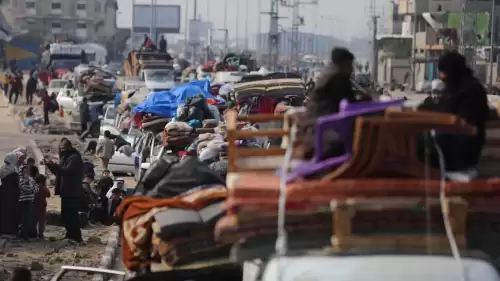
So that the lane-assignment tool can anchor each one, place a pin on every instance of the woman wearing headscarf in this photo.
(9, 193)
(464, 96)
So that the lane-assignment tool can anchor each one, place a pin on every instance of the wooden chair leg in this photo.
(343, 213)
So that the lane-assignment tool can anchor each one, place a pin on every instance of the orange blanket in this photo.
(138, 212)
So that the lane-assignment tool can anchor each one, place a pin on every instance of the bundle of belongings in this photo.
(211, 148)
(195, 110)
(178, 133)
(170, 221)
(378, 195)
(95, 82)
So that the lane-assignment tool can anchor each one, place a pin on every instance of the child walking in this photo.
(40, 205)
(27, 189)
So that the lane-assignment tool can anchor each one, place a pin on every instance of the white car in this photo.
(374, 268)
(120, 162)
(56, 85)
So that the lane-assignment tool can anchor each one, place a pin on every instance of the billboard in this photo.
(476, 27)
(165, 18)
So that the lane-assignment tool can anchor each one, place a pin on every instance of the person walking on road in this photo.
(5, 83)
(47, 102)
(105, 149)
(84, 116)
(16, 86)
(30, 89)
(69, 178)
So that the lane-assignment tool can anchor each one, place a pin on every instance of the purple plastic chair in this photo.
(340, 123)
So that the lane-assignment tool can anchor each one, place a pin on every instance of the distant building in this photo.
(85, 20)
(308, 43)
(48, 20)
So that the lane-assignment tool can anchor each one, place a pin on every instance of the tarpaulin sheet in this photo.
(165, 103)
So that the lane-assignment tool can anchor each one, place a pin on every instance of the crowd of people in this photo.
(23, 197)
(463, 95)
(25, 190)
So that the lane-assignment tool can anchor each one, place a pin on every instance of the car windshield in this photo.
(57, 84)
(160, 75)
(65, 64)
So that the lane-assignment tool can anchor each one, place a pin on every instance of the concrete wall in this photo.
(391, 68)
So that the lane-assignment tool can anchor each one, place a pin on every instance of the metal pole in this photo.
(492, 40)
(295, 33)
(226, 41)
(413, 54)
(238, 24)
(274, 36)
(186, 35)
(152, 20)
(195, 40)
(462, 29)
(246, 24)
(259, 29)
(225, 14)
(374, 51)
(132, 33)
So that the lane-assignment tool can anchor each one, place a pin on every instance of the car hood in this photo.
(151, 85)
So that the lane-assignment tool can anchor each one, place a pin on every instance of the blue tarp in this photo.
(165, 103)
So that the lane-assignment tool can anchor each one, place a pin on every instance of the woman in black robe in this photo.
(9, 194)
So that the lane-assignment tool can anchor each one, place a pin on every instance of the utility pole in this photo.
(237, 24)
(151, 28)
(246, 25)
(297, 21)
(374, 16)
(461, 48)
(273, 46)
(374, 69)
(259, 30)
(413, 69)
(186, 35)
(295, 33)
(195, 38)
(492, 41)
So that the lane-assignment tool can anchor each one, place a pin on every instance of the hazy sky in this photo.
(340, 18)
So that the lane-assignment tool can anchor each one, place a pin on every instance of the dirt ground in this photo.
(45, 257)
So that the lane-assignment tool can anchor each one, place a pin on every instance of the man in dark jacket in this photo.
(69, 178)
(16, 86)
(30, 89)
(84, 116)
(163, 44)
(333, 85)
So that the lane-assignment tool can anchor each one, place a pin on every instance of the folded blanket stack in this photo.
(174, 231)
(178, 134)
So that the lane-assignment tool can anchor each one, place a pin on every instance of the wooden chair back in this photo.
(253, 159)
